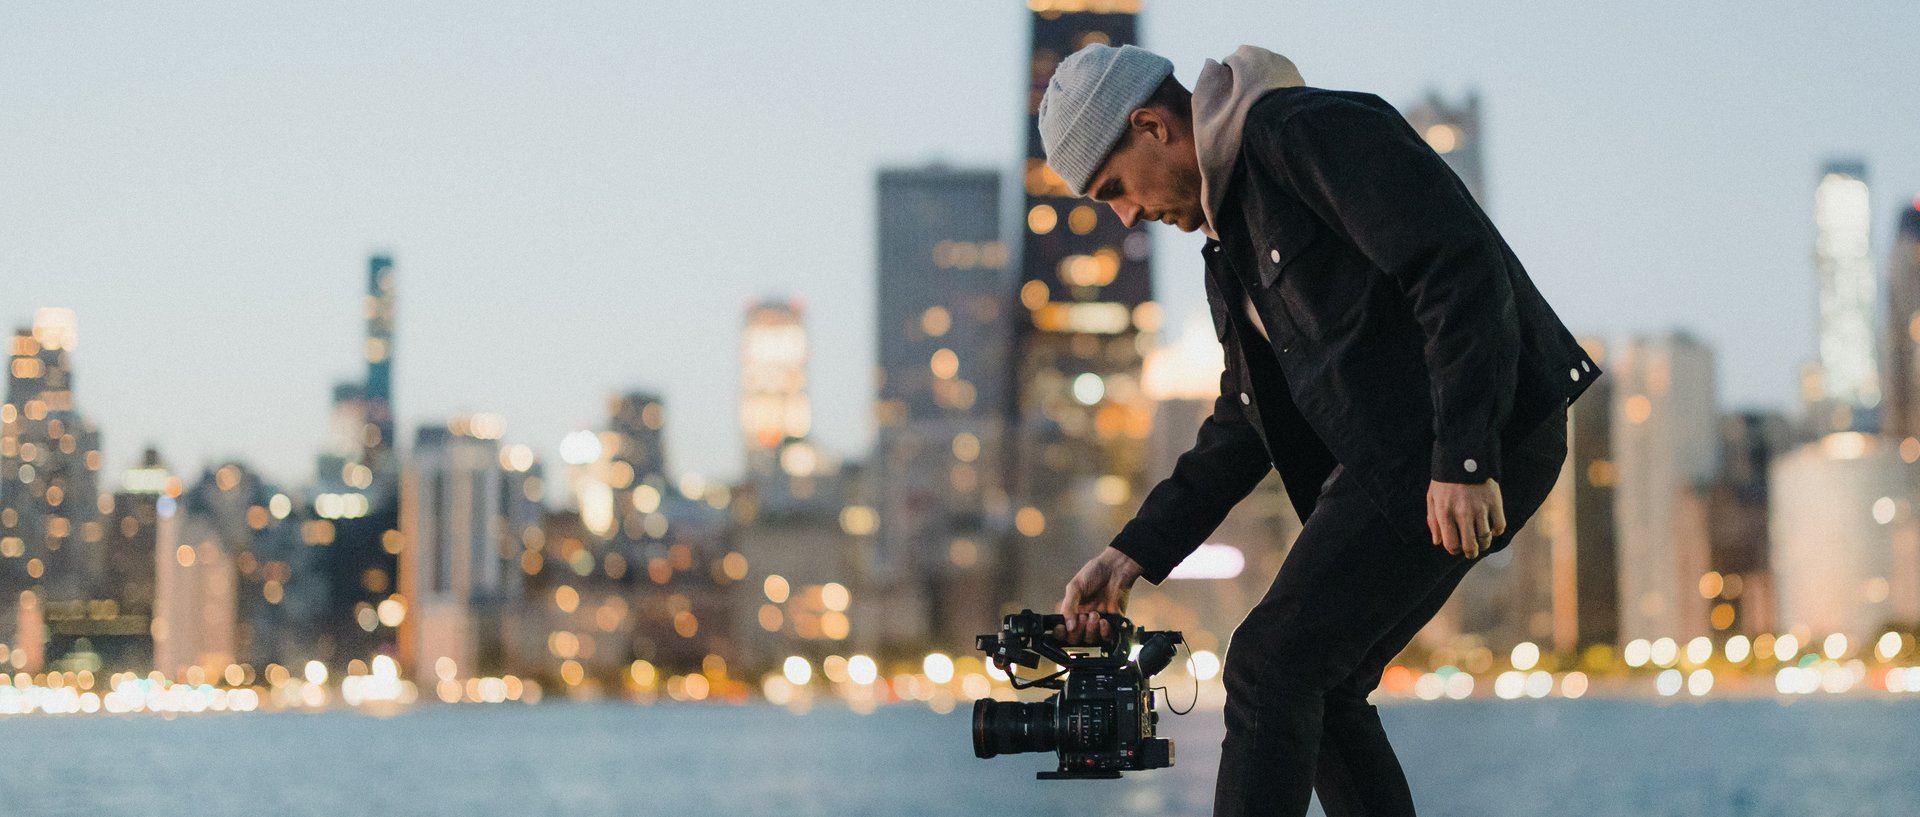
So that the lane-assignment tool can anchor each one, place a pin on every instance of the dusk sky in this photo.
(581, 198)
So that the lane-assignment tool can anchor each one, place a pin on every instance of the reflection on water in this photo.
(1480, 757)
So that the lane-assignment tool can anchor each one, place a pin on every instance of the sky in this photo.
(581, 198)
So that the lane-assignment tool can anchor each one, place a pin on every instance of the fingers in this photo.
(1467, 528)
(1081, 628)
(1084, 629)
(1499, 510)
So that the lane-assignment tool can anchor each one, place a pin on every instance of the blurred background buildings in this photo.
(1026, 399)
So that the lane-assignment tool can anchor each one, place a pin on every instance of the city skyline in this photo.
(144, 236)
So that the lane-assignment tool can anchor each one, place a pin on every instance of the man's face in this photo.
(1153, 174)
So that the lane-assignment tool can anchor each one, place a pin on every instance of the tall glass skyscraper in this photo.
(1849, 373)
(1664, 453)
(49, 464)
(358, 490)
(774, 409)
(946, 300)
(1901, 417)
(378, 437)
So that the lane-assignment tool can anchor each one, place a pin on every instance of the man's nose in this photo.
(1128, 213)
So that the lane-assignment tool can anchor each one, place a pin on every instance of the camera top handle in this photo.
(1026, 637)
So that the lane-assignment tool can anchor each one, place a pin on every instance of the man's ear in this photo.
(1151, 123)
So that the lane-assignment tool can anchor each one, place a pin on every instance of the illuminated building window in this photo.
(1042, 219)
(993, 254)
(936, 321)
(945, 364)
(1083, 219)
(966, 447)
(1030, 521)
(1723, 614)
(963, 552)
(1638, 408)
(1148, 317)
(1034, 294)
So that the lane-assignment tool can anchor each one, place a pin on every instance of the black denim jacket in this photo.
(1408, 344)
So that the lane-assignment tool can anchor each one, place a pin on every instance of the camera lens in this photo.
(1011, 727)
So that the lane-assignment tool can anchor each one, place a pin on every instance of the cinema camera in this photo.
(1101, 723)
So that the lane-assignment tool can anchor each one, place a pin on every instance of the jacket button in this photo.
(1471, 466)
(1573, 373)
(1285, 349)
(1216, 249)
(1585, 366)
(1244, 399)
(1275, 255)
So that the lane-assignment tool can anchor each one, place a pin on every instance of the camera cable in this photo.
(1191, 671)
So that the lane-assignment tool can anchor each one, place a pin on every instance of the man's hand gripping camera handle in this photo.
(1101, 586)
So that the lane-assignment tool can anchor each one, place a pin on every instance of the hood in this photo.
(1221, 97)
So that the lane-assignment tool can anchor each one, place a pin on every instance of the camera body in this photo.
(1102, 721)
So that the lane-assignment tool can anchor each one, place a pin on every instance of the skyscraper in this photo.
(774, 410)
(453, 574)
(945, 303)
(110, 630)
(358, 480)
(1664, 445)
(1849, 371)
(233, 574)
(1453, 131)
(1740, 589)
(1079, 416)
(196, 584)
(1837, 510)
(1901, 415)
(378, 396)
(49, 460)
(1586, 581)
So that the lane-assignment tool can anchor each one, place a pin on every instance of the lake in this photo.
(1808, 757)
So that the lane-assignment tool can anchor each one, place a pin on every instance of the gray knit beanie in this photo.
(1085, 109)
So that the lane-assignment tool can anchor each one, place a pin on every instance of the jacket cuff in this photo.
(1147, 547)
(1471, 463)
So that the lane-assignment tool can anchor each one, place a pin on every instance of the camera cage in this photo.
(1026, 637)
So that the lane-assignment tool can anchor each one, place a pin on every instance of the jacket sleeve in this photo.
(1225, 463)
(1373, 180)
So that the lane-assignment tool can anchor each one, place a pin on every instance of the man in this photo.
(1385, 352)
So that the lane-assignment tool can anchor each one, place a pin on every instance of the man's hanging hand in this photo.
(1464, 517)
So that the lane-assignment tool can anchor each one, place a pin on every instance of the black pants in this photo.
(1349, 597)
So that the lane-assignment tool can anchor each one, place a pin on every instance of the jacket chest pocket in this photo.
(1299, 269)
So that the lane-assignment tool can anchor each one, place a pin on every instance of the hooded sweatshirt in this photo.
(1221, 97)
